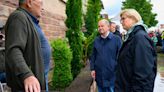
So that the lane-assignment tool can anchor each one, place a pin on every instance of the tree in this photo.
(144, 7)
(74, 34)
(91, 18)
(91, 21)
(62, 56)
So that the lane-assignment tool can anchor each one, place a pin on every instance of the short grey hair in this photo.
(105, 21)
(132, 13)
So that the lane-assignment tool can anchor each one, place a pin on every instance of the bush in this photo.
(74, 35)
(75, 42)
(91, 23)
(88, 46)
(62, 56)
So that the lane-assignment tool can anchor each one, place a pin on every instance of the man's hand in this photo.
(31, 84)
(93, 74)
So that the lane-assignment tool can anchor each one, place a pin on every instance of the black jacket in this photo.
(118, 33)
(136, 68)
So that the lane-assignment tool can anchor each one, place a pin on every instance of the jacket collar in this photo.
(140, 23)
(110, 35)
(34, 19)
(135, 30)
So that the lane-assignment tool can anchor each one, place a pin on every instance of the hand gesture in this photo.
(31, 84)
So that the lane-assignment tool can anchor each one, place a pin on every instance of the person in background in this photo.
(162, 37)
(123, 35)
(104, 57)
(137, 68)
(153, 36)
(2, 55)
(158, 34)
(27, 49)
(115, 29)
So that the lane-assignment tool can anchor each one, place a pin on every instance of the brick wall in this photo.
(52, 23)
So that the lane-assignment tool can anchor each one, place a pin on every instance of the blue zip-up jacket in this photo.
(104, 59)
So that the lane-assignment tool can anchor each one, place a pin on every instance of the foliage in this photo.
(74, 34)
(162, 36)
(91, 21)
(91, 18)
(62, 56)
(144, 7)
(88, 42)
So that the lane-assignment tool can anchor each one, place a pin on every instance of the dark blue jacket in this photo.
(104, 59)
(136, 69)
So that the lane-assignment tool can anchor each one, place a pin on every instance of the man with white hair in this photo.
(27, 49)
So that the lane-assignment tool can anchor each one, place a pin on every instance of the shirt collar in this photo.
(109, 35)
(34, 19)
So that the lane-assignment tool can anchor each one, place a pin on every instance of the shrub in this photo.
(88, 46)
(91, 24)
(74, 35)
(62, 56)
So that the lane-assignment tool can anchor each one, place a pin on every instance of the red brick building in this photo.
(52, 21)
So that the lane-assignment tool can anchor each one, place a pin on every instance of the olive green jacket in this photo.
(23, 50)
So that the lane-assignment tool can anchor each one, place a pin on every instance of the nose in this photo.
(99, 28)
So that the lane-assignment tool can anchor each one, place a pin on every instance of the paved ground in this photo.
(159, 83)
(82, 82)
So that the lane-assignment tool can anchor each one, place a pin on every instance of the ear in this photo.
(29, 3)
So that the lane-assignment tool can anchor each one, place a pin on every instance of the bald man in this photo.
(104, 57)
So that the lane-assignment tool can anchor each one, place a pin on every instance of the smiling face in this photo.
(103, 27)
(113, 27)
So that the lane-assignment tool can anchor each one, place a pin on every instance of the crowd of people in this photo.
(127, 65)
(158, 37)
(119, 62)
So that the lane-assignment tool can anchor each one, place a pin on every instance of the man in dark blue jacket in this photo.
(104, 57)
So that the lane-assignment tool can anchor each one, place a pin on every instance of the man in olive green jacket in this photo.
(24, 62)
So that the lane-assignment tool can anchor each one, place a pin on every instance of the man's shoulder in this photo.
(116, 37)
(17, 14)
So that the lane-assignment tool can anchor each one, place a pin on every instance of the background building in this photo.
(52, 21)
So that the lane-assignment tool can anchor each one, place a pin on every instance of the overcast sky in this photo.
(113, 8)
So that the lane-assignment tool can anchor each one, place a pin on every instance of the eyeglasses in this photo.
(123, 18)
